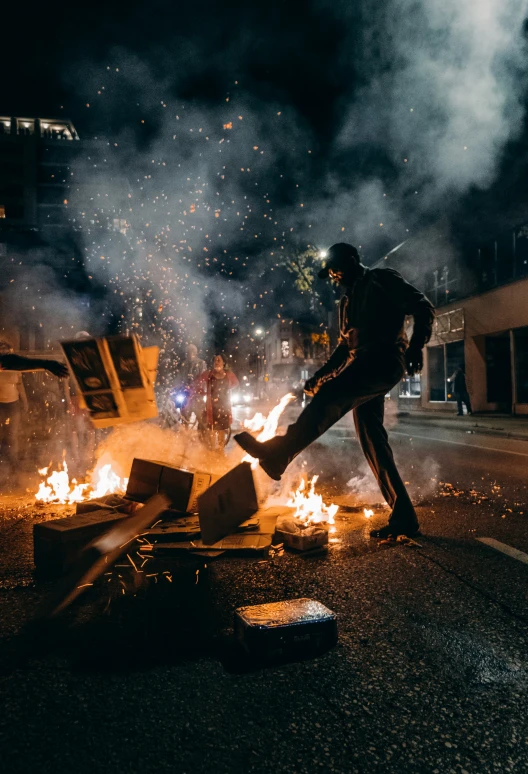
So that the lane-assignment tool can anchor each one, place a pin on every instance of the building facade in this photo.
(482, 326)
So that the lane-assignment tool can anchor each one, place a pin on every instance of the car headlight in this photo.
(235, 397)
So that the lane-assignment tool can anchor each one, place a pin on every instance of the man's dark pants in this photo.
(361, 388)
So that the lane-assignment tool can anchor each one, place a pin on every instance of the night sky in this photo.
(248, 131)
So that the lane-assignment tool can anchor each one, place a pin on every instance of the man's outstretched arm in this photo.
(19, 363)
(337, 361)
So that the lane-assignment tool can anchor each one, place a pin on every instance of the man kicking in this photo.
(371, 357)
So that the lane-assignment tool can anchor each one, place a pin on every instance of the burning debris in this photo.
(307, 528)
(57, 488)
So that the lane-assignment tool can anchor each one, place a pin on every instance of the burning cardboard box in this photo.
(115, 378)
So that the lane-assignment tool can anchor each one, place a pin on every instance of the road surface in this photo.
(430, 673)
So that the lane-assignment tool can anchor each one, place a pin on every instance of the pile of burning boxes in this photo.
(171, 511)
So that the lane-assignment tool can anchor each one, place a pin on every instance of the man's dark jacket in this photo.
(372, 319)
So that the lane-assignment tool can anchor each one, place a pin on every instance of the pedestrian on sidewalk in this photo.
(460, 389)
(370, 358)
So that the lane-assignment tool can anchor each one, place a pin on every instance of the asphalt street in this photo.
(430, 673)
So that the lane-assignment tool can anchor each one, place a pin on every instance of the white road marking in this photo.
(459, 443)
(505, 549)
(346, 433)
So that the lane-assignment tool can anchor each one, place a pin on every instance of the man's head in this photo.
(192, 352)
(342, 264)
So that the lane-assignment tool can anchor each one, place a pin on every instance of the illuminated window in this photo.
(2, 211)
(285, 348)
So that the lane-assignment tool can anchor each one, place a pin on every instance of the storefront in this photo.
(486, 335)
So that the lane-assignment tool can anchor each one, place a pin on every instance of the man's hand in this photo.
(414, 360)
(311, 386)
(57, 369)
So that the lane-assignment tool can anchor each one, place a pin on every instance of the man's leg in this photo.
(460, 410)
(368, 419)
(365, 378)
(467, 401)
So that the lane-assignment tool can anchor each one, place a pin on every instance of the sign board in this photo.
(115, 378)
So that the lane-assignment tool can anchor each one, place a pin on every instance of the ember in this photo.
(368, 513)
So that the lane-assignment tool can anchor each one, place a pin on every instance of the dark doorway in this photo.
(437, 374)
(521, 363)
(498, 371)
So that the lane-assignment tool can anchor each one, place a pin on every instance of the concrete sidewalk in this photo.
(487, 424)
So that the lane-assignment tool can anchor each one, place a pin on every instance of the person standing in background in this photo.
(461, 391)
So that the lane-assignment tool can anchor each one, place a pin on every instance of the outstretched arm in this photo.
(337, 361)
(19, 363)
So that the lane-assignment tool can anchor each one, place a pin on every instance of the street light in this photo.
(258, 331)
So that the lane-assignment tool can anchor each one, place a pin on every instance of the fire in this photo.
(309, 506)
(267, 425)
(368, 513)
(59, 489)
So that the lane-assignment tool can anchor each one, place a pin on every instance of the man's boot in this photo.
(272, 455)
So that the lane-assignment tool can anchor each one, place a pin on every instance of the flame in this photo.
(309, 507)
(267, 425)
(59, 489)
(107, 482)
(368, 513)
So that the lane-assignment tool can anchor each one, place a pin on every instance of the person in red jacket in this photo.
(216, 386)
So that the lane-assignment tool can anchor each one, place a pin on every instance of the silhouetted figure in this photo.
(369, 360)
(460, 389)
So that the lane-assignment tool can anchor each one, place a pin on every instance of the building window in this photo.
(2, 210)
(521, 364)
(454, 358)
(285, 349)
(410, 387)
(442, 362)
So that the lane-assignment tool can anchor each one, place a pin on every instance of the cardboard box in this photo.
(183, 487)
(56, 543)
(227, 503)
(115, 378)
(296, 628)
